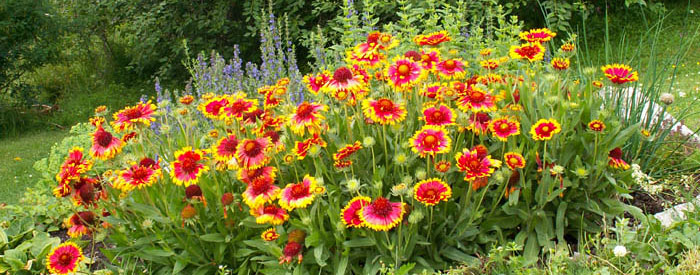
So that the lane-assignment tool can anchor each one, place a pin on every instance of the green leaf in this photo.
(459, 256)
(318, 255)
(405, 268)
(342, 265)
(561, 211)
(213, 237)
(359, 242)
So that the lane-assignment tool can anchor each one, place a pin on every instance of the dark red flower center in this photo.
(528, 51)
(193, 191)
(147, 162)
(437, 116)
(189, 165)
(382, 207)
(403, 69)
(103, 138)
(140, 174)
(87, 193)
(260, 186)
(292, 249)
(273, 135)
(477, 96)
(450, 64)
(133, 113)
(413, 55)
(616, 153)
(430, 140)
(270, 209)
(229, 145)
(252, 148)
(430, 193)
(342, 74)
(474, 164)
(238, 106)
(65, 259)
(304, 110)
(299, 191)
(385, 105)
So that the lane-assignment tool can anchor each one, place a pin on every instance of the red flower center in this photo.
(260, 186)
(270, 210)
(189, 165)
(140, 174)
(477, 96)
(403, 69)
(616, 153)
(425, 57)
(104, 138)
(474, 164)
(504, 126)
(238, 106)
(304, 110)
(382, 207)
(133, 113)
(319, 81)
(437, 116)
(450, 64)
(65, 259)
(430, 193)
(229, 145)
(342, 74)
(385, 105)
(292, 249)
(430, 140)
(273, 135)
(252, 148)
(299, 191)
(147, 162)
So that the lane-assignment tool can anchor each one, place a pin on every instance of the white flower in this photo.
(620, 251)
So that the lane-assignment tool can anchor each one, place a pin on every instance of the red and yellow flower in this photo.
(440, 115)
(479, 123)
(188, 166)
(314, 82)
(302, 148)
(383, 111)
(475, 99)
(432, 39)
(560, 64)
(298, 195)
(346, 86)
(475, 165)
(249, 175)
(238, 105)
(138, 176)
(530, 51)
(568, 47)
(260, 191)
(269, 214)
(514, 160)
(537, 35)
(620, 73)
(214, 108)
(224, 150)
(430, 140)
(544, 129)
(451, 68)
(431, 191)
(442, 166)
(596, 125)
(490, 64)
(307, 116)
(428, 59)
(502, 128)
(252, 153)
(104, 145)
(351, 212)
(382, 214)
(404, 73)
(64, 259)
(270, 235)
(615, 159)
(347, 150)
(81, 223)
(127, 118)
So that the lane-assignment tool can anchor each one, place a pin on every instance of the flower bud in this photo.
(193, 191)
(227, 198)
(188, 212)
(666, 98)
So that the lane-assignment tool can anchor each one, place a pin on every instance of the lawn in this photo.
(19, 155)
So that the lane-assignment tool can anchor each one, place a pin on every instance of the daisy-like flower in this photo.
(615, 159)
(485, 52)
(451, 68)
(537, 35)
(252, 153)
(260, 191)
(224, 150)
(302, 148)
(475, 99)
(269, 214)
(291, 251)
(383, 111)
(87, 192)
(345, 85)
(298, 195)
(76, 159)
(340, 164)
(479, 123)
(314, 82)
(490, 78)
(544, 129)
(363, 54)
(435, 90)
(489, 64)
(347, 150)
(127, 118)
(270, 235)
(382, 214)
(404, 73)
(428, 59)
(104, 145)
(64, 259)
(442, 166)
(432, 39)
(502, 128)
(307, 116)
(438, 115)
(138, 176)
(431, 191)
(186, 99)
(596, 125)
(351, 211)
(560, 64)
(620, 73)
(81, 223)
(530, 51)
(514, 160)
(475, 165)
(214, 107)
(430, 140)
(568, 47)
(188, 166)
(248, 175)
(238, 105)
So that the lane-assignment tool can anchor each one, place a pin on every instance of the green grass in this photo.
(18, 174)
